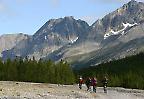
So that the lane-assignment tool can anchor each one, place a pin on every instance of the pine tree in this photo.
(1, 70)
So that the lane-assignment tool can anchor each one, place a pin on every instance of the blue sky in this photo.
(27, 16)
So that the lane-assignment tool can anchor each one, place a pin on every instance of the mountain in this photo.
(8, 41)
(116, 35)
(128, 15)
(120, 34)
(53, 35)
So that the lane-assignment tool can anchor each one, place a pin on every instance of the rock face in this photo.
(53, 35)
(118, 34)
(129, 14)
(8, 41)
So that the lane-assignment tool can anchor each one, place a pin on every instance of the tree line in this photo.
(127, 72)
(36, 71)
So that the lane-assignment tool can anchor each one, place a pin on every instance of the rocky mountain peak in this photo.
(129, 14)
(63, 27)
(133, 5)
(132, 2)
(69, 18)
(53, 35)
(53, 22)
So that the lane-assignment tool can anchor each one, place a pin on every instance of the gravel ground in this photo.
(24, 90)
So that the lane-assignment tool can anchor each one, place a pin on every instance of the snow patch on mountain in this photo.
(129, 25)
(45, 37)
(112, 32)
(74, 40)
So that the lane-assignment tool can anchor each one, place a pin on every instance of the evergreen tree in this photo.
(42, 71)
(1, 70)
(127, 72)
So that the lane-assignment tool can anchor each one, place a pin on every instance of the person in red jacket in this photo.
(94, 83)
(80, 82)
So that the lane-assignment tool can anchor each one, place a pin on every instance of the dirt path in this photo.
(121, 93)
(22, 90)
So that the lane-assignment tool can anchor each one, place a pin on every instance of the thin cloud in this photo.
(112, 1)
(5, 10)
(108, 1)
(22, 1)
(54, 3)
(3, 7)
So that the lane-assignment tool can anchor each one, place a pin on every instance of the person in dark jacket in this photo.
(105, 82)
(88, 84)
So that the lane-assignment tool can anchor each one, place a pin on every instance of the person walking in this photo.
(94, 83)
(105, 82)
(88, 84)
(80, 82)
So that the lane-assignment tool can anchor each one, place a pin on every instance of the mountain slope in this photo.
(125, 45)
(50, 37)
(8, 41)
(130, 13)
(114, 34)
